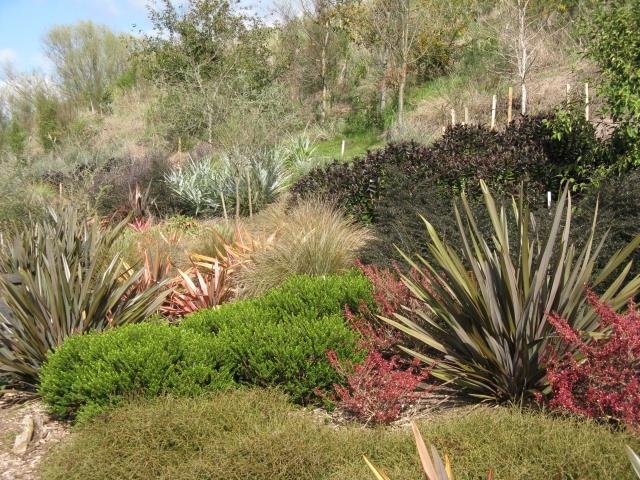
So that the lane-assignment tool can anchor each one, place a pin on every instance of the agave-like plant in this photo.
(484, 315)
(196, 185)
(432, 465)
(69, 284)
(205, 285)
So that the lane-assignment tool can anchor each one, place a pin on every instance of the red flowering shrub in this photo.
(598, 378)
(378, 390)
(389, 292)
(381, 387)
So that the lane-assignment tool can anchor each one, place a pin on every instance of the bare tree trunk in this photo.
(383, 83)
(401, 87)
(210, 127)
(523, 52)
(323, 72)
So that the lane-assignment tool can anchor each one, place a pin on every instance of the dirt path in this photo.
(46, 433)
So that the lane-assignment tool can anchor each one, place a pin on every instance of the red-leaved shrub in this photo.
(381, 387)
(378, 390)
(599, 377)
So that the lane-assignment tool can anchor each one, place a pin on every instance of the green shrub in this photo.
(612, 33)
(256, 434)
(91, 372)
(486, 316)
(298, 295)
(281, 338)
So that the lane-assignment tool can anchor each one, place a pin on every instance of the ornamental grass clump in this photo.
(313, 238)
(484, 316)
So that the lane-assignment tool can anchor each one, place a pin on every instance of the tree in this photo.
(87, 58)
(407, 29)
(202, 56)
(613, 41)
(323, 46)
(48, 124)
(522, 34)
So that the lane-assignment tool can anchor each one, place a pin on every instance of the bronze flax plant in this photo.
(486, 328)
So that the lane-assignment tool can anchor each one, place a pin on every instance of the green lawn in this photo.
(356, 145)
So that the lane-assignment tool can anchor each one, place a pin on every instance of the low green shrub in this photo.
(300, 295)
(92, 372)
(281, 338)
(256, 434)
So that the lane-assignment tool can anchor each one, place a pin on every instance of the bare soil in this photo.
(47, 433)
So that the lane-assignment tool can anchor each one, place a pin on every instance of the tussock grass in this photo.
(256, 434)
(313, 238)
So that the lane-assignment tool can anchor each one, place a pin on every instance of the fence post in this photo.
(586, 101)
(524, 100)
(453, 117)
(568, 93)
(342, 148)
(494, 102)
(466, 115)
(510, 105)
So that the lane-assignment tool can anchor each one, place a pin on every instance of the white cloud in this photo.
(8, 55)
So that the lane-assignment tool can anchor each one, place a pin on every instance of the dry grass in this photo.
(312, 237)
(256, 434)
(474, 85)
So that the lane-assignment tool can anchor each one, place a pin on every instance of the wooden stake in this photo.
(224, 207)
(237, 198)
(466, 116)
(586, 101)
(524, 99)
(60, 190)
(510, 105)
(568, 93)
(249, 194)
(494, 103)
(453, 116)
(344, 144)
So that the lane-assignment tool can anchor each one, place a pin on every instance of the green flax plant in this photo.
(483, 319)
(69, 283)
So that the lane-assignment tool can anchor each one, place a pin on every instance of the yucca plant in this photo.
(484, 315)
(70, 285)
(432, 465)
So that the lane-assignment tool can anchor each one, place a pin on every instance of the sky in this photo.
(23, 24)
